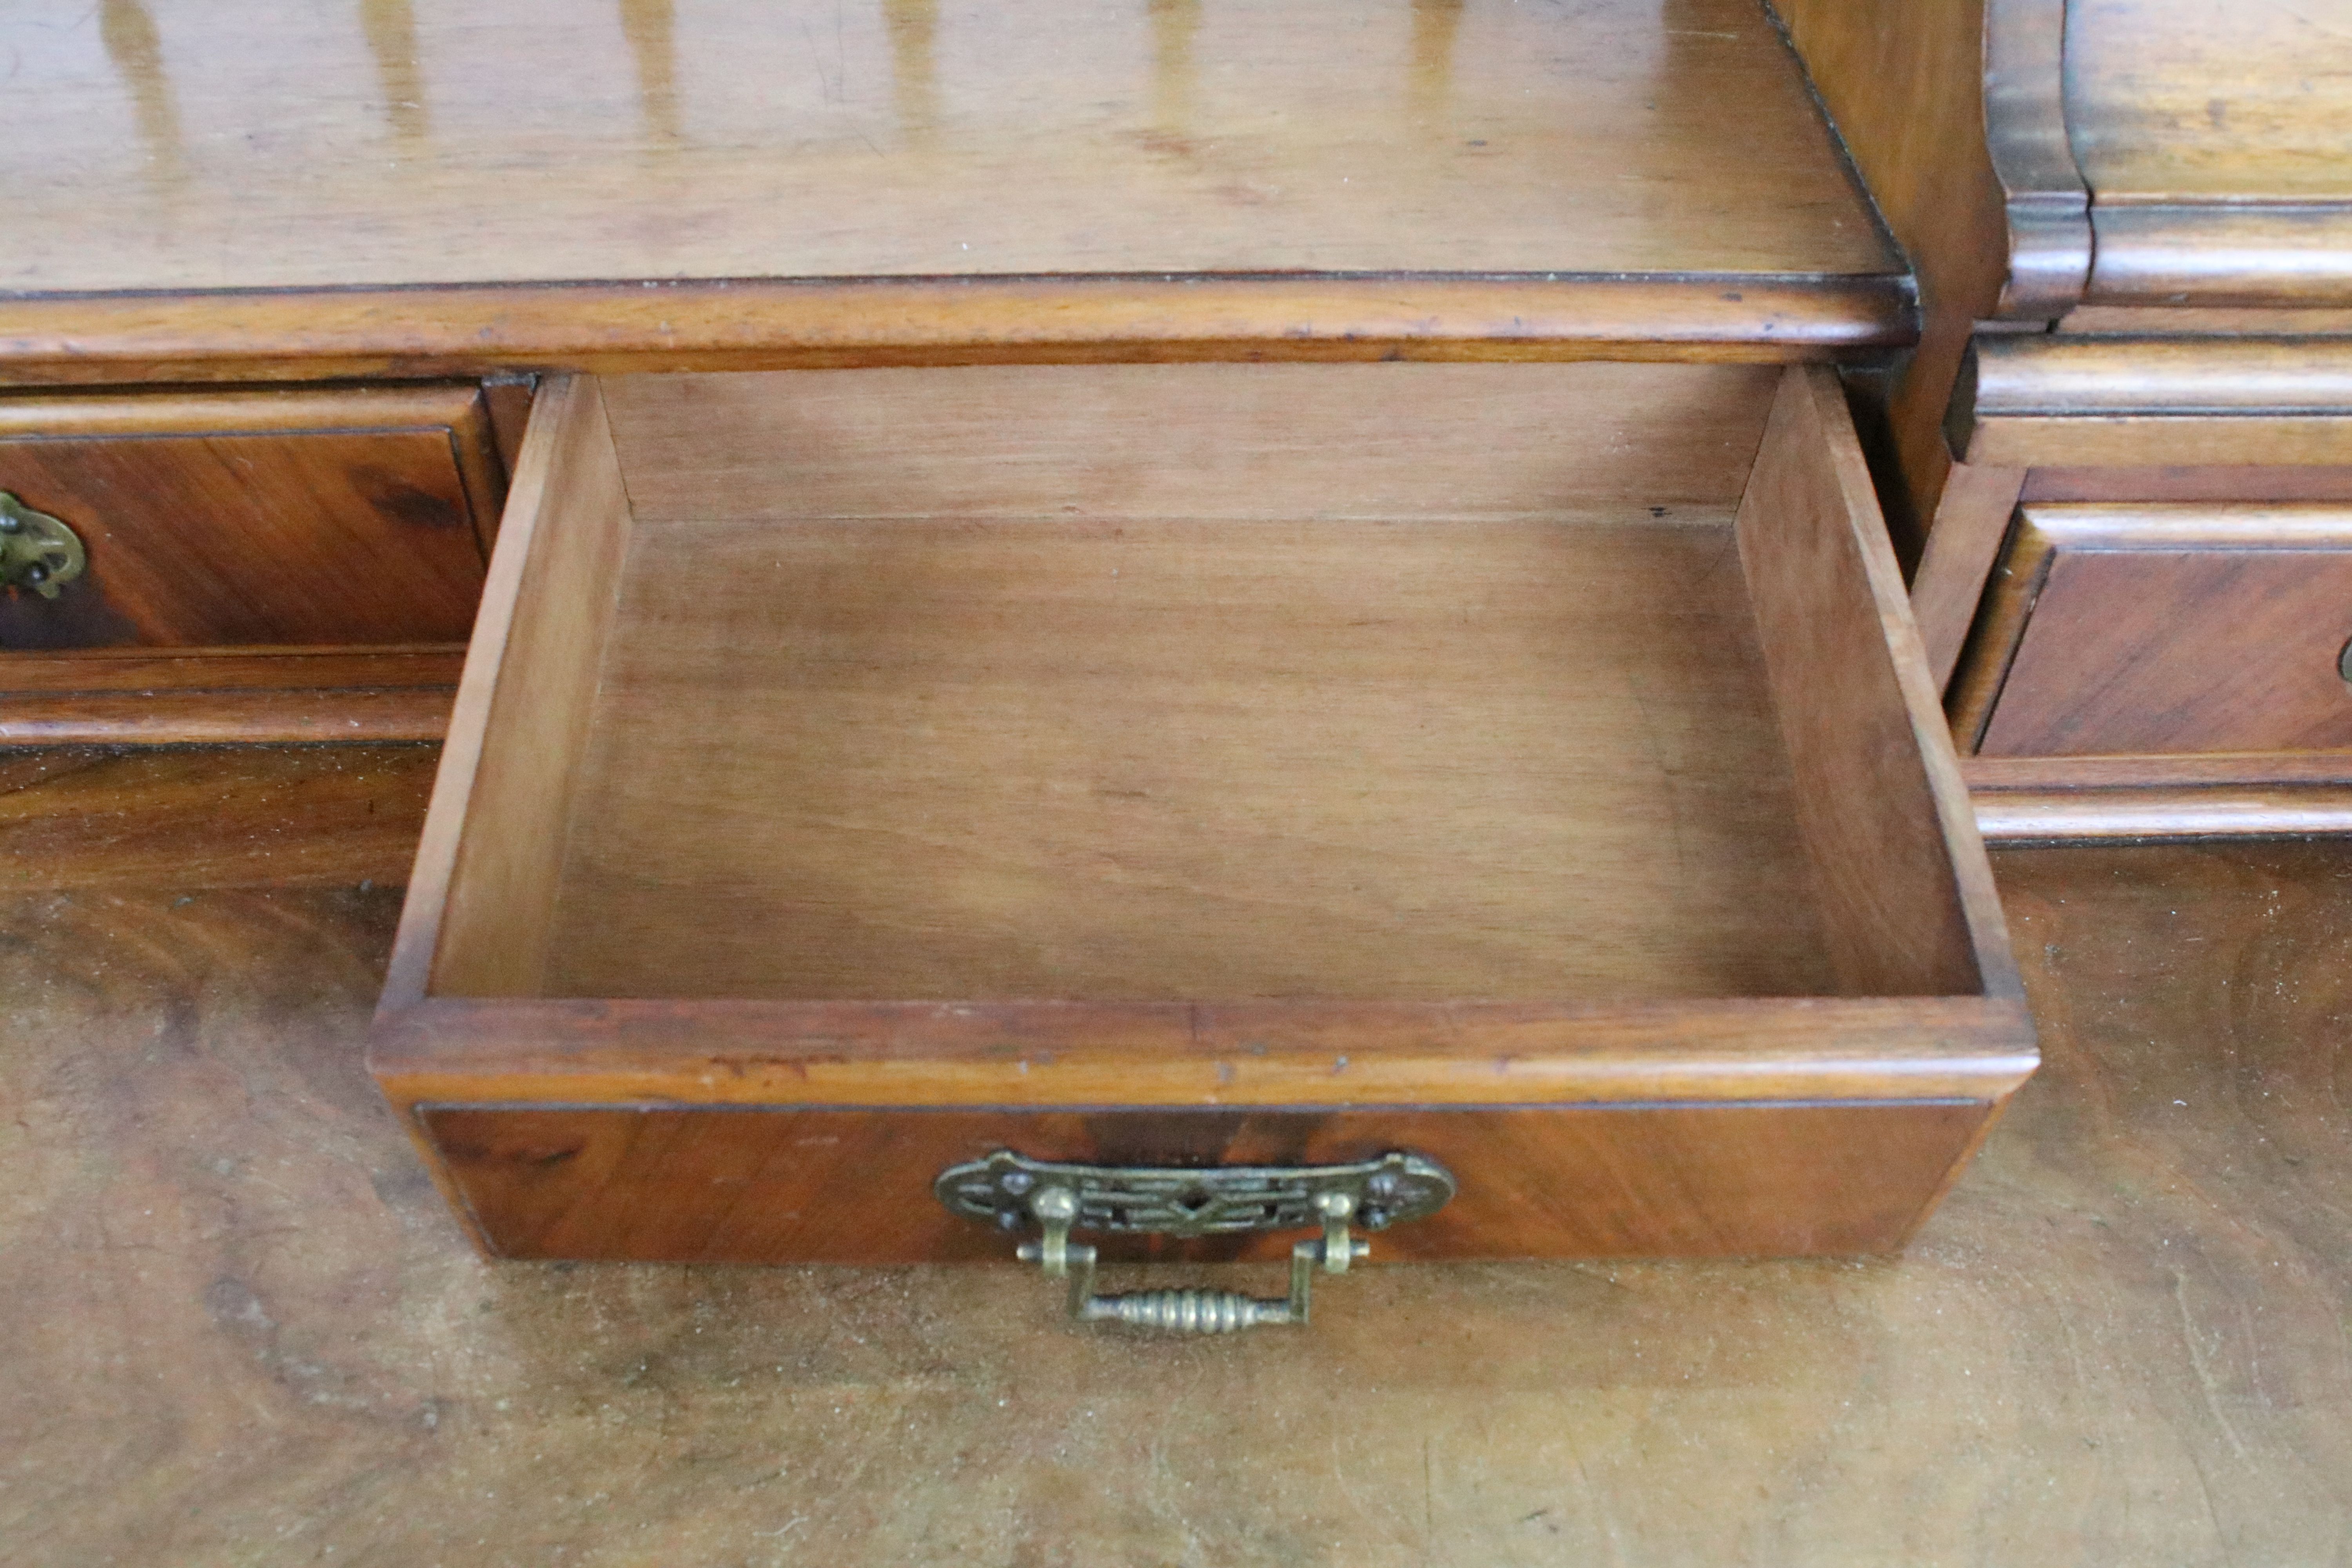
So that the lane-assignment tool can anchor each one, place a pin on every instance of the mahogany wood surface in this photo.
(252, 1332)
(351, 516)
(874, 755)
(1903, 81)
(260, 816)
(1341, 170)
(2100, 401)
(1972, 521)
(2168, 629)
(853, 1186)
(2214, 137)
(487, 896)
(212, 696)
(1906, 901)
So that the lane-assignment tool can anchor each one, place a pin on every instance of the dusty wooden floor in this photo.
(241, 1330)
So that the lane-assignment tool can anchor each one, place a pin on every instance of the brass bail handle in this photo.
(1011, 1192)
(1190, 1311)
(37, 550)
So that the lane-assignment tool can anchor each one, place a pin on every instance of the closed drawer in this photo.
(340, 517)
(2166, 629)
(2161, 670)
(1531, 767)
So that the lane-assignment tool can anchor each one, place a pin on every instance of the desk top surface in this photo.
(185, 145)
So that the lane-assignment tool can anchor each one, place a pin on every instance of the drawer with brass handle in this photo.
(291, 530)
(1527, 772)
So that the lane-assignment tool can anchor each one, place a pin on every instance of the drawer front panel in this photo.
(2173, 651)
(854, 1186)
(2162, 630)
(255, 519)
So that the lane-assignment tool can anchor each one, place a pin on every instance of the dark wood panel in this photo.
(250, 1330)
(782, 1186)
(201, 541)
(288, 516)
(212, 816)
(2187, 650)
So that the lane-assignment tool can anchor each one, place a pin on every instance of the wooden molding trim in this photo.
(141, 697)
(2163, 811)
(2037, 400)
(2048, 203)
(2217, 253)
(772, 325)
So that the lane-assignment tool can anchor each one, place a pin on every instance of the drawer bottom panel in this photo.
(854, 1186)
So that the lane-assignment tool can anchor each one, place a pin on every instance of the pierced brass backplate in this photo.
(1011, 1192)
(37, 550)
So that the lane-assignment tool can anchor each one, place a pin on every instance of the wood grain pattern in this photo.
(2086, 401)
(1092, 683)
(281, 515)
(1904, 83)
(910, 779)
(261, 816)
(254, 1333)
(828, 142)
(521, 710)
(2174, 629)
(751, 325)
(764, 1186)
(2215, 140)
(1908, 906)
(2047, 204)
(1192, 1054)
(1971, 520)
(1260, 442)
(216, 696)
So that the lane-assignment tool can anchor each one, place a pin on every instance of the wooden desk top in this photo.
(1436, 169)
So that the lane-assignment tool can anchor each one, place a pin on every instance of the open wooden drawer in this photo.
(1528, 767)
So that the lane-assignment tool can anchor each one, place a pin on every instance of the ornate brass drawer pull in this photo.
(37, 550)
(1010, 1191)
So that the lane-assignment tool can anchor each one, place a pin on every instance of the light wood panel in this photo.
(1287, 443)
(1306, 681)
(1142, 758)
(753, 325)
(1907, 899)
(835, 1186)
(520, 711)
(1972, 519)
(525, 144)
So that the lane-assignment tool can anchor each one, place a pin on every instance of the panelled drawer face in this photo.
(1468, 760)
(346, 517)
(2165, 630)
